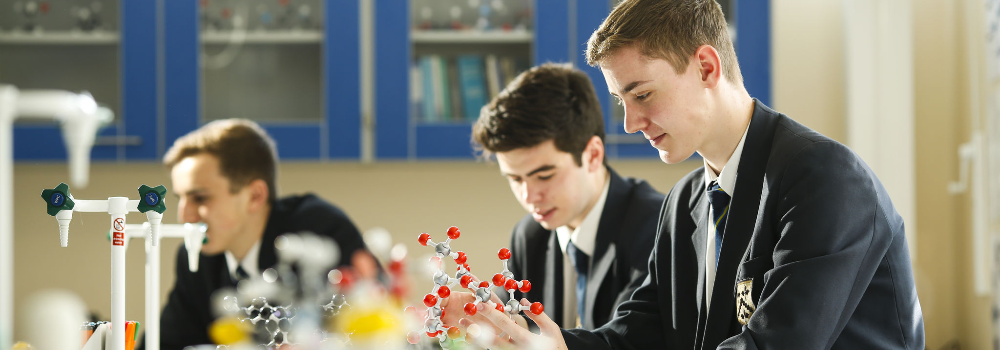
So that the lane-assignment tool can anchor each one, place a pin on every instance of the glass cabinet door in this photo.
(262, 60)
(456, 55)
(290, 65)
(77, 46)
(69, 45)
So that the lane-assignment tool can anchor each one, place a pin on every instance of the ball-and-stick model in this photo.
(443, 284)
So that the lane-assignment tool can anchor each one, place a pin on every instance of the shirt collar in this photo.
(249, 262)
(727, 178)
(585, 235)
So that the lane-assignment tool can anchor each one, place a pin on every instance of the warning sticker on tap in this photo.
(118, 238)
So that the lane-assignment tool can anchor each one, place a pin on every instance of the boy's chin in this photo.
(672, 158)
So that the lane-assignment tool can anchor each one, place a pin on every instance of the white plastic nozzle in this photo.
(192, 242)
(64, 217)
(79, 134)
(81, 118)
(154, 219)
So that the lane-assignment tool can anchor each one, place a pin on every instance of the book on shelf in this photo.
(416, 91)
(430, 105)
(470, 71)
(454, 89)
(493, 76)
(442, 90)
(435, 91)
(457, 114)
(508, 69)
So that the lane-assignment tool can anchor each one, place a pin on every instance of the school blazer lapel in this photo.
(554, 282)
(740, 224)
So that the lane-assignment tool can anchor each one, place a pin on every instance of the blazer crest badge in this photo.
(744, 301)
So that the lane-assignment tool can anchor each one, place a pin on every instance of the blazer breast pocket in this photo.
(749, 283)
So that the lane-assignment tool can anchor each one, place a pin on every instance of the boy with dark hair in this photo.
(585, 241)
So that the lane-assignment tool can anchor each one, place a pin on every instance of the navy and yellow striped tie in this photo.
(581, 263)
(720, 210)
(241, 275)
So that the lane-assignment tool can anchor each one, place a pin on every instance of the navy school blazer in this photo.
(814, 256)
(622, 246)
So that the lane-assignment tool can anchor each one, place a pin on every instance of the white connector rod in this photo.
(153, 219)
(64, 217)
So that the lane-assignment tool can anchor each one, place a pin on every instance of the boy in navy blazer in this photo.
(225, 175)
(588, 233)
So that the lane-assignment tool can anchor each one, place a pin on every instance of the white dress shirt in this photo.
(249, 262)
(584, 237)
(727, 181)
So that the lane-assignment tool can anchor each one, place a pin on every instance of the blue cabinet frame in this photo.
(337, 136)
(397, 139)
(137, 58)
(392, 79)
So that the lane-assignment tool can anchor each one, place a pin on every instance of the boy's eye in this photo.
(642, 97)
(546, 177)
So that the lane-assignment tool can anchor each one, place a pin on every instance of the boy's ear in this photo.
(259, 194)
(593, 155)
(709, 65)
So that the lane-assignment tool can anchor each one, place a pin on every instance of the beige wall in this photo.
(809, 72)
(807, 64)
(936, 95)
(409, 198)
(953, 313)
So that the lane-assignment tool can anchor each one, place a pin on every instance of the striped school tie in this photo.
(720, 210)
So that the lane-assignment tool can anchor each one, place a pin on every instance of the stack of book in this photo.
(454, 89)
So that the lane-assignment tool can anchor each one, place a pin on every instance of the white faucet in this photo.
(194, 236)
(80, 118)
(59, 201)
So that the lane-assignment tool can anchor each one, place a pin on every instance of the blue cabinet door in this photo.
(133, 134)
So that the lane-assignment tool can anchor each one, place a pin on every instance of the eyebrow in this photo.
(191, 192)
(537, 170)
(632, 86)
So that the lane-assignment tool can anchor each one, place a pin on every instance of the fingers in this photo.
(478, 318)
(454, 307)
(364, 264)
(506, 325)
(545, 324)
(484, 334)
(479, 335)
(521, 321)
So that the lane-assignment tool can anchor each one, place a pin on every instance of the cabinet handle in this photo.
(118, 141)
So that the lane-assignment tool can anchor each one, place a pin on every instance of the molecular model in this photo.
(270, 324)
(443, 284)
(302, 303)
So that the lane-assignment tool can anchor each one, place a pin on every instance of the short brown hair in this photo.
(549, 102)
(671, 30)
(244, 150)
